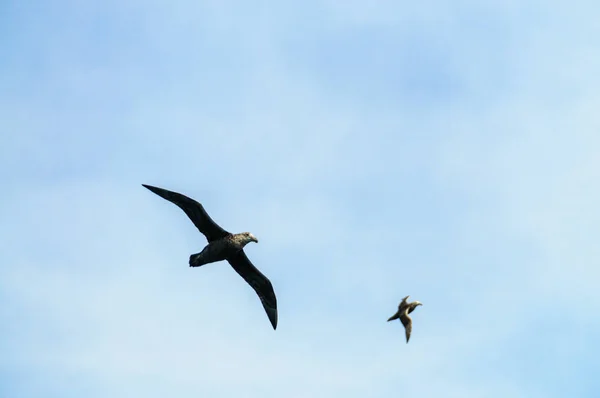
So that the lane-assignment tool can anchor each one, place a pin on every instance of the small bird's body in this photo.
(405, 308)
(223, 245)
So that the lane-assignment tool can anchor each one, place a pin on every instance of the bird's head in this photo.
(248, 237)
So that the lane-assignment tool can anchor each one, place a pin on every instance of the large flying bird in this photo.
(223, 245)
(405, 308)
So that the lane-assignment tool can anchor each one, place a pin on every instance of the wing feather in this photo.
(194, 210)
(260, 283)
(407, 322)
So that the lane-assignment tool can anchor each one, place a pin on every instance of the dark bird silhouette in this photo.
(405, 308)
(223, 245)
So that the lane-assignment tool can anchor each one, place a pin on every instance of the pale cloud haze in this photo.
(447, 151)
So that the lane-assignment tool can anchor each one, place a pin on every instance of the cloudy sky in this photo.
(445, 150)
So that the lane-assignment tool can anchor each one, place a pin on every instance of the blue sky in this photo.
(445, 150)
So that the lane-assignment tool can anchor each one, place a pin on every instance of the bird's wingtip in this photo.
(273, 320)
(153, 189)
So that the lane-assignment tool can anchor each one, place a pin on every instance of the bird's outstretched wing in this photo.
(407, 322)
(260, 283)
(194, 210)
(402, 303)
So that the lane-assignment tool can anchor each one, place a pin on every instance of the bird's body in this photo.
(405, 308)
(223, 245)
(219, 250)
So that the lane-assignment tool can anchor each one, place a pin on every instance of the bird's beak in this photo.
(254, 239)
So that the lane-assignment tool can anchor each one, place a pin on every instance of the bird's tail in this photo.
(395, 316)
(197, 260)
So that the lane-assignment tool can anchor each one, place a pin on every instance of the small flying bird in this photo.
(405, 308)
(223, 245)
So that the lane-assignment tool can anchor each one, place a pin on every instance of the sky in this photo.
(449, 151)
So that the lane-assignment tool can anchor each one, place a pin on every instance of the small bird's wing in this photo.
(401, 306)
(403, 302)
(260, 283)
(407, 322)
(194, 210)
